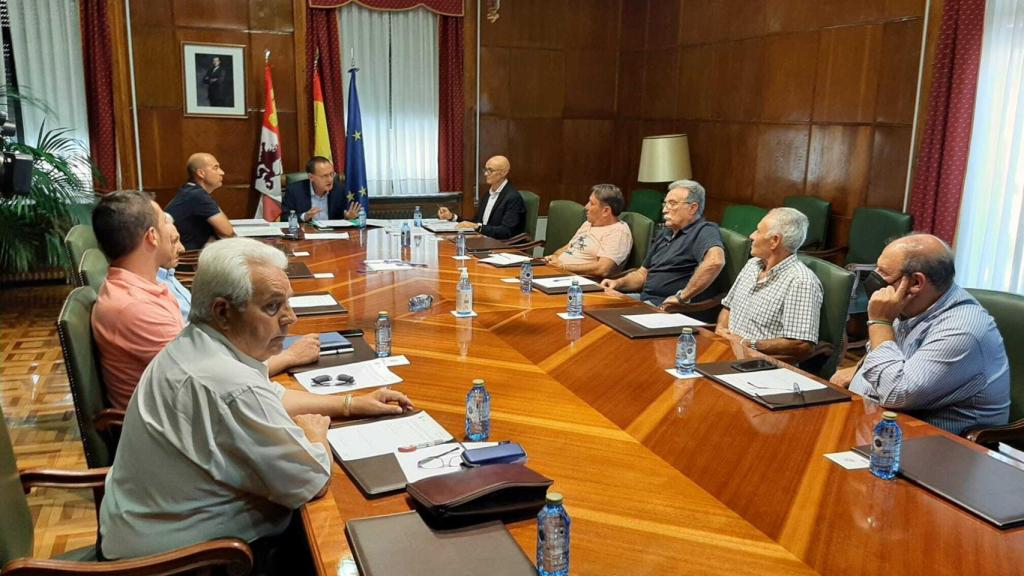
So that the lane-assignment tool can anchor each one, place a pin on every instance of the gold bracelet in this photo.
(882, 322)
(348, 405)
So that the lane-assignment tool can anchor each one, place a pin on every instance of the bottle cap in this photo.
(382, 313)
(687, 330)
(554, 498)
(888, 415)
(478, 382)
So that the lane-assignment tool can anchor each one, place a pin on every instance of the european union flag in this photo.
(355, 157)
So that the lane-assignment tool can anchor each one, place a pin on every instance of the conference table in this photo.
(660, 475)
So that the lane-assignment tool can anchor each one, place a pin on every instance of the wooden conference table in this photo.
(660, 476)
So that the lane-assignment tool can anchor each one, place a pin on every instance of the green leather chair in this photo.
(642, 229)
(17, 536)
(79, 239)
(532, 202)
(564, 218)
(1007, 310)
(818, 213)
(647, 202)
(737, 252)
(98, 423)
(836, 285)
(93, 268)
(295, 177)
(742, 218)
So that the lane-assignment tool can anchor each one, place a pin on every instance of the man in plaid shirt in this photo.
(774, 305)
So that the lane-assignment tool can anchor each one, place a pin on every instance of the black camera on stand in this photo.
(15, 167)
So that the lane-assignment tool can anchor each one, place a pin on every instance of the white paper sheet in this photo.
(386, 436)
(326, 235)
(300, 253)
(399, 360)
(444, 226)
(335, 223)
(257, 222)
(367, 374)
(849, 460)
(312, 301)
(659, 320)
(377, 222)
(561, 281)
(510, 280)
(323, 275)
(470, 315)
(388, 265)
(674, 374)
(452, 454)
(257, 231)
(767, 382)
(565, 316)
(502, 259)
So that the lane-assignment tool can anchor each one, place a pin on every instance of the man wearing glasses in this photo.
(321, 198)
(685, 260)
(503, 214)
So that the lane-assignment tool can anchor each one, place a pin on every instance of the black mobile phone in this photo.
(755, 365)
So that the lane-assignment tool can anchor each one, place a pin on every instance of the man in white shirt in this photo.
(210, 447)
(502, 214)
(602, 243)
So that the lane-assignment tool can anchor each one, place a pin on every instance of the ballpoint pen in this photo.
(428, 444)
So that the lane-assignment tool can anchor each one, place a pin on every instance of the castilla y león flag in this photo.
(268, 166)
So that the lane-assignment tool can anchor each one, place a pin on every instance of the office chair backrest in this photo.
(532, 202)
(642, 229)
(872, 229)
(93, 268)
(836, 285)
(564, 218)
(737, 252)
(647, 202)
(742, 218)
(79, 239)
(818, 212)
(295, 177)
(16, 536)
(1007, 310)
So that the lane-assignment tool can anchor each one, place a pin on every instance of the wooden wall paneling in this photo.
(590, 83)
(288, 124)
(234, 142)
(271, 15)
(537, 79)
(469, 129)
(592, 24)
(633, 25)
(587, 151)
(151, 14)
(661, 74)
(843, 12)
(158, 71)
(791, 15)
(889, 157)
(124, 133)
(160, 132)
(629, 101)
(847, 78)
(236, 200)
(904, 8)
(494, 140)
(790, 66)
(733, 161)
(303, 90)
(536, 23)
(740, 19)
(535, 152)
(495, 87)
(737, 88)
(698, 67)
(626, 155)
(897, 83)
(781, 163)
(932, 39)
(662, 29)
(231, 15)
(697, 24)
(838, 165)
(282, 64)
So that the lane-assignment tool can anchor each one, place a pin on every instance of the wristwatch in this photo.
(749, 342)
(679, 296)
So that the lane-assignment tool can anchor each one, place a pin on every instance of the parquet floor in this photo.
(37, 404)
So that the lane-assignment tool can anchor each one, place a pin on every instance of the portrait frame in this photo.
(213, 76)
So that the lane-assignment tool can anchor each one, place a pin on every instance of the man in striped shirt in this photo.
(935, 352)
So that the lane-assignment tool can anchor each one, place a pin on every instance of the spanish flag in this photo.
(321, 136)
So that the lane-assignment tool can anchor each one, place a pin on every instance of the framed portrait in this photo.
(214, 79)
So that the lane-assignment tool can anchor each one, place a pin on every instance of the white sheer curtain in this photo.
(397, 56)
(990, 241)
(47, 44)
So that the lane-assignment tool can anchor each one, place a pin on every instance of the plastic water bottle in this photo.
(460, 244)
(406, 235)
(383, 334)
(464, 295)
(417, 217)
(478, 412)
(420, 302)
(686, 352)
(553, 537)
(575, 307)
(886, 447)
(361, 217)
(293, 224)
(526, 278)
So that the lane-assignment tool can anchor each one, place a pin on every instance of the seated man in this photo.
(775, 305)
(935, 351)
(503, 214)
(322, 197)
(135, 316)
(210, 447)
(685, 260)
(165, 274)
(602, 243)
(195, 212)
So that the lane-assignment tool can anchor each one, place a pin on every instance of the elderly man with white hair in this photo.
(211, 447)
(774, 305)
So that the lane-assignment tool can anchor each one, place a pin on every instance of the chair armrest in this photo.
(820, 349)
(109, 419)
(524, 246)
(855, 268)
(39, 477)
(696, 306)
(992, 435)
(231, 553)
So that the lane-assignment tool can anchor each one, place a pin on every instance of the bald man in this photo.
(196, 214)
(502, 214)
(935, 352)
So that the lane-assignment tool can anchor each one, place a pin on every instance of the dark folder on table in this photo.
(775, 401)
(563, 289)
(335, 308)
(298, 271)
(377, 475)
(403, 544)
(360, 351)
(613, 317)
(985, 486)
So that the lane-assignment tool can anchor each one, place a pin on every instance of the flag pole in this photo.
(266, 56)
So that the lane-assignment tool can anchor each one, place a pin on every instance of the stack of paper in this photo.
(326, 235)
(386, 436)
(265, 231)
(767, 382)
(442, 226)
(366, 374)
(561, 281)
(503, 259)
(257, 222)
(312, 301)
(659, 320)
(332, 223)
(390, 265)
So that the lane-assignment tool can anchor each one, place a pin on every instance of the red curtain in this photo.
(942, 161)
(322, 38)
(443, 7)
(96, 56)
(450, 97)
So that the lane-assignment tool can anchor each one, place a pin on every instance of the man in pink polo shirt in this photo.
(136, 316)
(603, 242)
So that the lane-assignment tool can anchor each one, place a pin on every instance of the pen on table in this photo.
(338, 351)
(412, 447)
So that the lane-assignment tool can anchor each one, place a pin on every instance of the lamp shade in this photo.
(664, 158)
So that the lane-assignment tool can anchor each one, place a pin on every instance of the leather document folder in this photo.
(318, 310)
(298, 270)
(563, 289)
(613, 318)
(361, 351)
(403, 544)
(780, 401)
(985, 486)
(377, 475)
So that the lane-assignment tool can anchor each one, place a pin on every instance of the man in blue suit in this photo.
(322, 197)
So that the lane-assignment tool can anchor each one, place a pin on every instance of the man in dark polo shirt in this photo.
(195, 212)
(685, 260)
